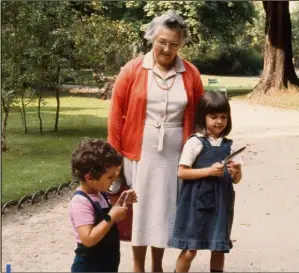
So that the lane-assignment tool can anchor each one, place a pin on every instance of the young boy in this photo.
(96, 165)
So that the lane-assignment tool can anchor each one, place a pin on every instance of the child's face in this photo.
(105, 181)
(216, 123)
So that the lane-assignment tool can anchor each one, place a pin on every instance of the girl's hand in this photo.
(118, 212)
(217, 169)
(233, 168)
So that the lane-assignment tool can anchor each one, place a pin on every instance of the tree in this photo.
(230, 17)
(102, 44)
(51, 47)
(295, 31)
(14, 48)
(220, 20)
(278, 73)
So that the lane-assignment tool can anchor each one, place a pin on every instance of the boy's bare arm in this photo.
(90, 235)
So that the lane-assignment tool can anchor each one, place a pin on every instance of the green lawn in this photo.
(234, 85)
(35, 162)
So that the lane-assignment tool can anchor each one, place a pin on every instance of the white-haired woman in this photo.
(152, 114)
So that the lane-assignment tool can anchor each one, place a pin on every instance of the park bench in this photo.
(214, 85)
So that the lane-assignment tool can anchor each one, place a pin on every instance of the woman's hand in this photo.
(127, 197)
(217, 169)
(131, 197)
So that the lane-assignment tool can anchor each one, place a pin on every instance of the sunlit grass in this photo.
(34, 161)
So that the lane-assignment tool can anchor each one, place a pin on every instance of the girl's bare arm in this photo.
(235, 171)
(185, 172)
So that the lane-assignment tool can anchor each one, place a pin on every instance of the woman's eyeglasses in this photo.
(163, 44)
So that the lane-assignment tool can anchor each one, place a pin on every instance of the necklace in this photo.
(164, 88)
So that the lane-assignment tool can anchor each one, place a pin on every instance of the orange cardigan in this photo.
(127, 113)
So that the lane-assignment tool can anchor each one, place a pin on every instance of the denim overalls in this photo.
(105, 255)
(205, 208)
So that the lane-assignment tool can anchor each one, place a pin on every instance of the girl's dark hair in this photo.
(212, 103)
(93, 156)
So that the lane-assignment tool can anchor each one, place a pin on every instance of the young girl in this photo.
(96, 165)
(205, 207)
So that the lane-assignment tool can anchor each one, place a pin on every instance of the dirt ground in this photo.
(266, 224)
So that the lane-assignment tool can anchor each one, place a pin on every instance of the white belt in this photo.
(162, 125)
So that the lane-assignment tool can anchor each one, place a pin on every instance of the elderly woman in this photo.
(152, 114)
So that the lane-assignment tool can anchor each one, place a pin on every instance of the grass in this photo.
(232, 82)
(239, 87)
(235, 85)
(35, 162)
(281, 100)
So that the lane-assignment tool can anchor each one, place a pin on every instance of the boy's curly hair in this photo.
(93, 156)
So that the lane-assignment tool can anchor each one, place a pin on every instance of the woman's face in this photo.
(166, 46)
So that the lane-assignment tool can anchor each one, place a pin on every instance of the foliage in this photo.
(253, 35)
(101, 44)
(295, 31)
(232, 61)
(221, 21)
(14, 47)
(51, 41)
(217, 34)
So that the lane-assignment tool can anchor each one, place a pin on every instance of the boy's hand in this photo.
(217, 169)
(233, 168)
(118, 212)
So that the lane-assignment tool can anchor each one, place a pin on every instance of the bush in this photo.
(231, 61)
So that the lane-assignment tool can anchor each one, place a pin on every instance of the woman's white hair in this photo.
(169, 20)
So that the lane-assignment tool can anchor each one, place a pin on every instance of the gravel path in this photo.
(265, 231)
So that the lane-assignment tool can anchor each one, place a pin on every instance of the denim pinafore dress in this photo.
(105, 255)
(205, 208)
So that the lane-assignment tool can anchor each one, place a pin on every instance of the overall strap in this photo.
(82, 193)
(105, 195)
(227, 142)
(204, 140)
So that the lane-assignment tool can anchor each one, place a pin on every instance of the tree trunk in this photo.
(23, 115)
(278, 73)
(57, 100)
(4, 126)
(39, 112)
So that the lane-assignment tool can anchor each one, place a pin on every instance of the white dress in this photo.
(154, 177)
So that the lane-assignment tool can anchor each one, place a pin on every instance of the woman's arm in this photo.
(199, 89)
(116, 112)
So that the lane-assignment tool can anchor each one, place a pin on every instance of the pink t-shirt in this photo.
(81, 212)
